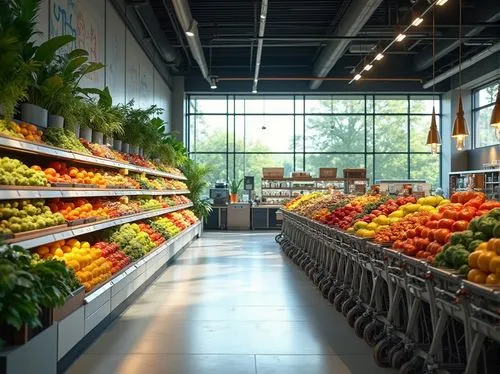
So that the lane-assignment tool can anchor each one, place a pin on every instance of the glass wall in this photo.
(239, 135)
(483, 100)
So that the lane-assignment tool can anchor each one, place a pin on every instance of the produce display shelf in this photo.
(276, 197)
(89, 296)
(24, 192)
(70, 232)
(25, 146)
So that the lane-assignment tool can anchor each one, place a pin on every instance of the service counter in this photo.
(242, 216)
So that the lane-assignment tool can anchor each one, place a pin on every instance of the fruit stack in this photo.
(156, 237)
(22, 131)
(132, 241)
(112, 252)
(26, 215)
(14, 173)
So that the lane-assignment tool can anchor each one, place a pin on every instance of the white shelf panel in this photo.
(67, 233)
(19, 145)
(51, 193)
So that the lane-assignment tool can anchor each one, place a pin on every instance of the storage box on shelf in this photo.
(487, 181)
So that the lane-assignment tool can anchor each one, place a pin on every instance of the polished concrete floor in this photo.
(231, 304)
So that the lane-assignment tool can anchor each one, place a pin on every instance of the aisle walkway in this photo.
(232, 304)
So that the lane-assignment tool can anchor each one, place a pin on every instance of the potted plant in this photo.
(138, 129)
(234, 187)
(101, 118)
(197, 176)
(28, 287)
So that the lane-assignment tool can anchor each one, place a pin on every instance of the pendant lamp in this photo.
(433, 138)
(495, 115)
(460, 130)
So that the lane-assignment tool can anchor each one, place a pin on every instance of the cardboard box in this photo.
(301, 175)
(275, 173)
(328, 172)
(354, 173)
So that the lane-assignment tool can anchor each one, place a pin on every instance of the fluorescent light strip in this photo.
(357, 77)
(368, 67)
(417, 21)
(400, 37)
(441, 2)
(379, 57)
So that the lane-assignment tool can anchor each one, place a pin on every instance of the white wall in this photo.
(98, 28)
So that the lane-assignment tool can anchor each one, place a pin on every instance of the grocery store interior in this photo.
(250, 186)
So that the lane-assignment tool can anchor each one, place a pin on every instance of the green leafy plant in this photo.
(100, 115)
(20, 57)
(28, 284)
(234, 185)
(137, 126)
(197, 182)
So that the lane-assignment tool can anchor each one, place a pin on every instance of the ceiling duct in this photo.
(443, 48)
(150, 22)
(190, 27)
(465, 64)
(361, 48)
(351, 23)
(260, 43)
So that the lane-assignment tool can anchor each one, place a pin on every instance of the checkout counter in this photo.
(241, 215)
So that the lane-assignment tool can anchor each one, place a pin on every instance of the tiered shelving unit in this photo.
(278, 190)
(487, 181)
(110, 296)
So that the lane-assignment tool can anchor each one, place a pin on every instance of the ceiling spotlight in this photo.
(192, 28)
(254, 90)
(368, 67)
(441, 2)
(417, 21)
(400, 37)
(379, 57)
(357, 77)
(263, 16)
(213, 83)
(264, 127)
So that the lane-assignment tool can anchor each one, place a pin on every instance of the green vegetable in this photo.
(464, 269)
(486, 225)
(474, 244)
(459, 257)
(474, 224)
(464, 237)
(480, 236)
(496, 231)
(495, 213)
(64, 138)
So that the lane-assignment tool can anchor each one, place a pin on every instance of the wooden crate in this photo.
(273, 172)
(328, 172)
(354, 173)
(302, 175)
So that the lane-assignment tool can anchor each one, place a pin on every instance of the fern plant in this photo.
(100, 115)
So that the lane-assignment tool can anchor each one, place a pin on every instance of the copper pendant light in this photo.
(495, 114)
(433, 138)
(460, 130)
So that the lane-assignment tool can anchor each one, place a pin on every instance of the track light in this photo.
(441, 2)
(357, 77)
(254, 90)
(368, 67)
(400, 37)
(263, 16)
(379, 57)
(213, 83)
(417, 21)
(192, 28)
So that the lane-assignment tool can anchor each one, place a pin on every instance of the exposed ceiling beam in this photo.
(487, 14)
(260, 43)
(351, 23)
(189, 25)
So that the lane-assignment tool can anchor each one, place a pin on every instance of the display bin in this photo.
(328, 172)
(354, 173)
(273, 172)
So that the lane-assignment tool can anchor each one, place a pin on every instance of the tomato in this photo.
(432, 225)
(409, 249)
(411, 233)
(460, 226)
(433, 248)
(425, 232)
(450, 214)
(445, 223)
(421, 243)
(432, 233)
(420, 254)
(419, 229)
(481, 212)
(454, 198)
(436, 216)
(427, 254)
(441, 235)
(430, 259)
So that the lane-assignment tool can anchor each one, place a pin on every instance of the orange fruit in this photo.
(494, 264)
(484, 259)
(476, 276)
(50, 171)
(492, 279)
(36, 167)
(473, 257)
(73, 172)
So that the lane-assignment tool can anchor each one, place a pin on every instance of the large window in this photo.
(483, 100)
(239, 135)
